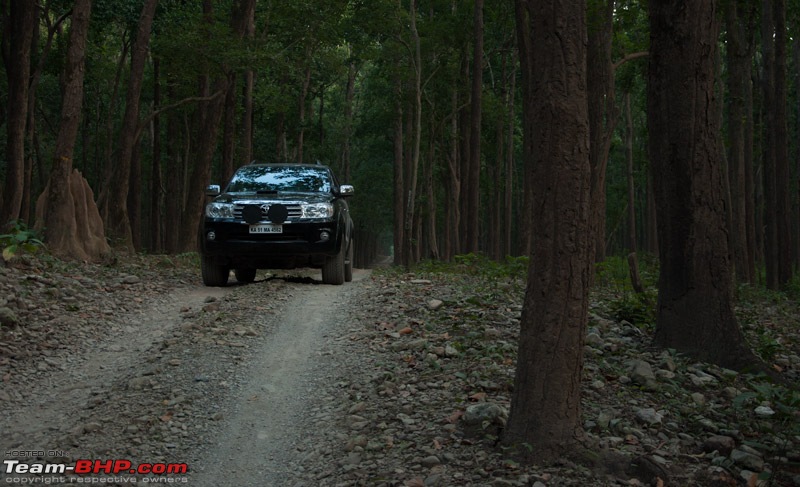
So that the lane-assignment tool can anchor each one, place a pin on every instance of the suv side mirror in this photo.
(212, 190)
(346, 190)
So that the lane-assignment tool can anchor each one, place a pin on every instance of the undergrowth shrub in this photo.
(19, 239)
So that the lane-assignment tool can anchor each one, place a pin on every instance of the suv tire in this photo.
(348, 263)
(245, 275)
(213, 273)
(333, 269)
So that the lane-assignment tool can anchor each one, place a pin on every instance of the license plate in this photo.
(266, 228)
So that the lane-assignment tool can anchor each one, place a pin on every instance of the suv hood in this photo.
(282, 196)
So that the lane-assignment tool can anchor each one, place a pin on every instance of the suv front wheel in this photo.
(333, 269)
(213, 274)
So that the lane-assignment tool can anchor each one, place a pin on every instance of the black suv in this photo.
(277, 216)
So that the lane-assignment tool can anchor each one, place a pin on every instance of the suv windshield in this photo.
(301, 179)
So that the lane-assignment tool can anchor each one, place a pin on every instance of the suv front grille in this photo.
(295, 211)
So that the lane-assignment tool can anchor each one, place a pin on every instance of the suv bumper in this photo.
(299, 244)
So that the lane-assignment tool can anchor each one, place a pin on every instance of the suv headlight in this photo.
(317, 210)
(219, 210)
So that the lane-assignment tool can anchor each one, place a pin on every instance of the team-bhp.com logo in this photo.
(95, 467)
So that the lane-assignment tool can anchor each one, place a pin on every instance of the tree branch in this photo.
(177, 104)
(629, 57)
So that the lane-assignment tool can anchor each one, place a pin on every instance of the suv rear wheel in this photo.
(213, 274)
(333, 268)
(244, 275)
(348, 263)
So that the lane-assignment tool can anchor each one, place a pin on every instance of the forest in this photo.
(562, 132)
(419, 104)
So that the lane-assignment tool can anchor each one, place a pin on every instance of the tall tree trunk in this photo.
(695, 302)
(228, 132)
(201, 173)
(432, 247)
(302, 108)
(173, 199)
(750, 208)
(207, 141)
(246, 140)
(30, 124)
(453, 237)
(633, 260)
(652, 224)
(350, 94)
(738, 64)
(508, 210)
(156, 195)
(281, 145)
(783, 206)
(134, 202)
(796, 50)
(108, 163)
(603, 112)
(114, 198)
(495, 211)
(416, 137)
(473, 177)
(545, 405)
(66, 211)
(399, 181)
(769, 145)
(18, 68)
(523, 14)
(464, 137)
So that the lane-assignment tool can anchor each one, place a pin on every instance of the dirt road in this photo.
(219, 380)
(263, 439)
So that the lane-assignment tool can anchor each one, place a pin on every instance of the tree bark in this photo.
(473, 177)
(769, 145)
(156, 193)
(545, 405)
(416, 137)
(738, 64)
(431, 240)
(633, 262)
(174, 198)
(246, 142)
(452, 234)
(350, 94)
(228, 132)
(524, 16)
(207, 142)
(695, 303)
(749, 176)
(399, 182)
(134, 202)
(783, 206)
(302, 106)
(603, 112)
(113, 200)
(796, 51)
(18, 68)
(508, 202)
(464, 153)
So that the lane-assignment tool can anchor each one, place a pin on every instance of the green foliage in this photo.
(785, 401)
(792, 289)
(767, 346)
(614, 272)
(637, 309)
(481, 265)
(20, 239)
